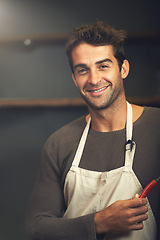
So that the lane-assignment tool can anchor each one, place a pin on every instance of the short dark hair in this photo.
(97, 34)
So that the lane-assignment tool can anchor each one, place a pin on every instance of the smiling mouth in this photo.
(98, 90)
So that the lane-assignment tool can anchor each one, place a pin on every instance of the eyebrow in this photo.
(81, 65)
(104, 60)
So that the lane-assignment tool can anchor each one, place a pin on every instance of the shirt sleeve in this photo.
(45, 213)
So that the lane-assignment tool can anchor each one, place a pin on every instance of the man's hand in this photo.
(122, 216)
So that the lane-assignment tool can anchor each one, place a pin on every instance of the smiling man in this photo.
(93, 170)
(98, 76)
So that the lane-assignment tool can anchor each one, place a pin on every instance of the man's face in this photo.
(97, 74)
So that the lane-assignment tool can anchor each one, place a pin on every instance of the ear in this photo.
(125, 69)
(73, 77)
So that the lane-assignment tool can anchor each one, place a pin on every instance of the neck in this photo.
(113, 118)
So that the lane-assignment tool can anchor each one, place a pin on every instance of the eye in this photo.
(81, 71)
(104, 66)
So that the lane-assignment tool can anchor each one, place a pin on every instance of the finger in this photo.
(139, 210)
(138, 219)
(137, 226)
(136, 202)
(136, 196)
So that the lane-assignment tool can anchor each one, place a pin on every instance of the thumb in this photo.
(136, 196)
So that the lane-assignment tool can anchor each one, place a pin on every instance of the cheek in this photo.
(115, 78)
(80, 86)
(109, 76)
(82, 83)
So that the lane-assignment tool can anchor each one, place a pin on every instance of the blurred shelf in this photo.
(28, 40)
(72, 102)
(31, 103)
(145, 101)
(143, 38)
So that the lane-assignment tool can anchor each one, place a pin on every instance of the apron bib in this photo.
(88, 191)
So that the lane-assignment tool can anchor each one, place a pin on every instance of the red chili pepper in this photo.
(149, 187)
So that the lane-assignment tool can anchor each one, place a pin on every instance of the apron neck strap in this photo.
(129, 123)
(82, 142)
(130, 145)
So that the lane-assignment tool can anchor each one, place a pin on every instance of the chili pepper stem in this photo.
(157, 179)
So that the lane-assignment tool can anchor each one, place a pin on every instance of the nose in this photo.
(94, 77)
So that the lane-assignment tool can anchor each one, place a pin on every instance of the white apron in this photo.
(88, 191)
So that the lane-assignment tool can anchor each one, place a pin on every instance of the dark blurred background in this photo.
(37, 95)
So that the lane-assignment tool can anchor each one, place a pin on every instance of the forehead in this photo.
(86, 54)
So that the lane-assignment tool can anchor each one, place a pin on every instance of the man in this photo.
(93, 170)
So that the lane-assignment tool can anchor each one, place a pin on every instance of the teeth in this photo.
(99, 89)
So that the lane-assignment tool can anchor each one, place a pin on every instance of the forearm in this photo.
(52, 228)
(45, 217)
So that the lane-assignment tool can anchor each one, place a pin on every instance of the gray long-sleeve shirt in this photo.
(102, 152)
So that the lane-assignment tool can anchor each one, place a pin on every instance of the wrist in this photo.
(100, 227)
